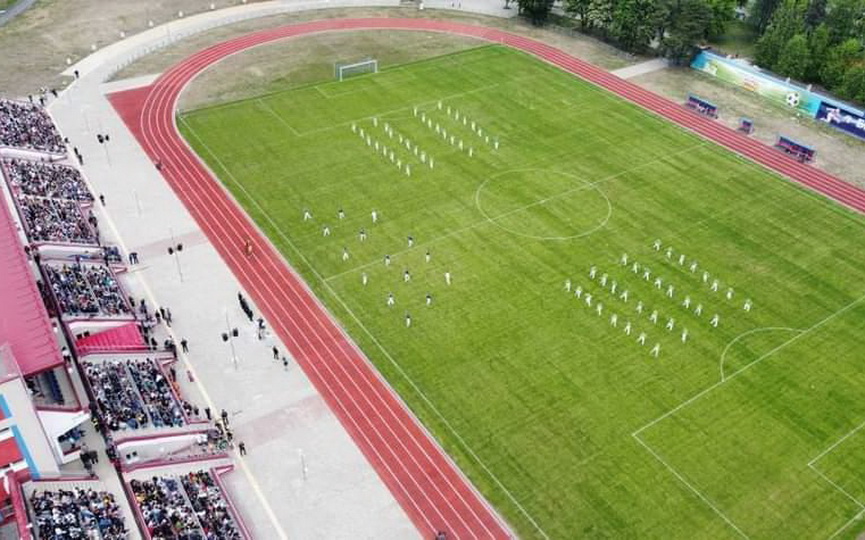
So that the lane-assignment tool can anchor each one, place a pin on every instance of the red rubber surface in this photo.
(427, 484)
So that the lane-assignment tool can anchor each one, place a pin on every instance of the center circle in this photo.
(543, 204)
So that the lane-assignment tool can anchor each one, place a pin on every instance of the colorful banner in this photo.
(745, 76)
(846, 120)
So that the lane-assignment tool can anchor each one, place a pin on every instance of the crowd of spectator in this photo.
(135, 394)
(192, 507)
(78, 513)
(166, 511)
(89, 290)
(117, 402)
(27, 126)
(55, 220)
(159, 398)
(47, 180)
(209, 505)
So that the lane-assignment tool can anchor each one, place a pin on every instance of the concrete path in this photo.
(642, 68)
(303, 476)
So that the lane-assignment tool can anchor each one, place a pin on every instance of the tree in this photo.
(795, 58)
(579, 9)
(815, 14)
(818, 43)
(787, 21)
(600, 14)
(688, 24)
(536, 10)
(844, 19)
(633, 24)
(853, 86)
(840, 58)
(761, 13)
(723, 11)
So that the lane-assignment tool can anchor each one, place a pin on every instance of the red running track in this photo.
(427, 484)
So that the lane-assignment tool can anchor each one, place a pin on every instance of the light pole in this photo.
(229, 336)
(175, 250)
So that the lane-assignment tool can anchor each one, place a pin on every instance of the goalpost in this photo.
(344, 70)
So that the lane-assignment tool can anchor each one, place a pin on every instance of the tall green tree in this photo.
(688, 24)
(633, 24)
(853, 86)
(761, 13)
(818, 42)
(723, 12)
(815, 14)
(601, 14)
(840, 58)
(538, 11)
(795, 58)
(580, 10)
(787, 22)
(845, 19)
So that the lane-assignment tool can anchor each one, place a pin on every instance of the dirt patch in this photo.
(290, 63)
(837, 153)
(36, 43)
(584, 47)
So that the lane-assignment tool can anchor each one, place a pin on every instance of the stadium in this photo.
(379, 269)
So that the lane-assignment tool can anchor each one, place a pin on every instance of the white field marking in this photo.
(256, 487)
(589, 185)
(836, 444)
(747, 333)
(843, 527)
(391, 359)
(275, 115)
(694, 490)
(837, 487)
(738, 372)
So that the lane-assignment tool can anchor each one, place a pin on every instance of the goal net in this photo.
(344, 70)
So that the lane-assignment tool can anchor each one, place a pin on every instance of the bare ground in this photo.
(36, 43)
(584, 47)
(837, 153)
(290, 63)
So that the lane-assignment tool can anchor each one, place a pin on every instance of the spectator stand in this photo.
(49, 180)
(87, 295)
(58, 222)
(29, 129)
(746, 126)
(193, 496)
(136, 395)
(801, 152)
(77, 508)
(701, 106)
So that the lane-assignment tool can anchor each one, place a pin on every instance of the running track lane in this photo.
(427, 484)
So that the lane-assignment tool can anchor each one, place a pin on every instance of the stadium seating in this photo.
(86, 290)
(191, 506)
(133, 395)
(55, 221)
(47, 180)
(77, 513)
(27, 126)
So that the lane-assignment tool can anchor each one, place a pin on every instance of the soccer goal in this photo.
(344, 70)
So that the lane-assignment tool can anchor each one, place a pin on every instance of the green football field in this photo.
(547, 400)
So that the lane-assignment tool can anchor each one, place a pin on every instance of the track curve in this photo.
(423, 479)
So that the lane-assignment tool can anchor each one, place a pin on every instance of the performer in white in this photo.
(747, 306)
(670, 324)
(656, 350)
(715, 320)
(628, 328)
(568, 285)
(614, 320)
(684, 335)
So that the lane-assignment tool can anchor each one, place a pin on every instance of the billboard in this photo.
(847, 120)
(747, 77)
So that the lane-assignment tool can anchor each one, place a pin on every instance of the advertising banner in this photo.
(848, 121)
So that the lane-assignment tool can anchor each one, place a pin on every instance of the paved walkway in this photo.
(642, 68)
(304, 477)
